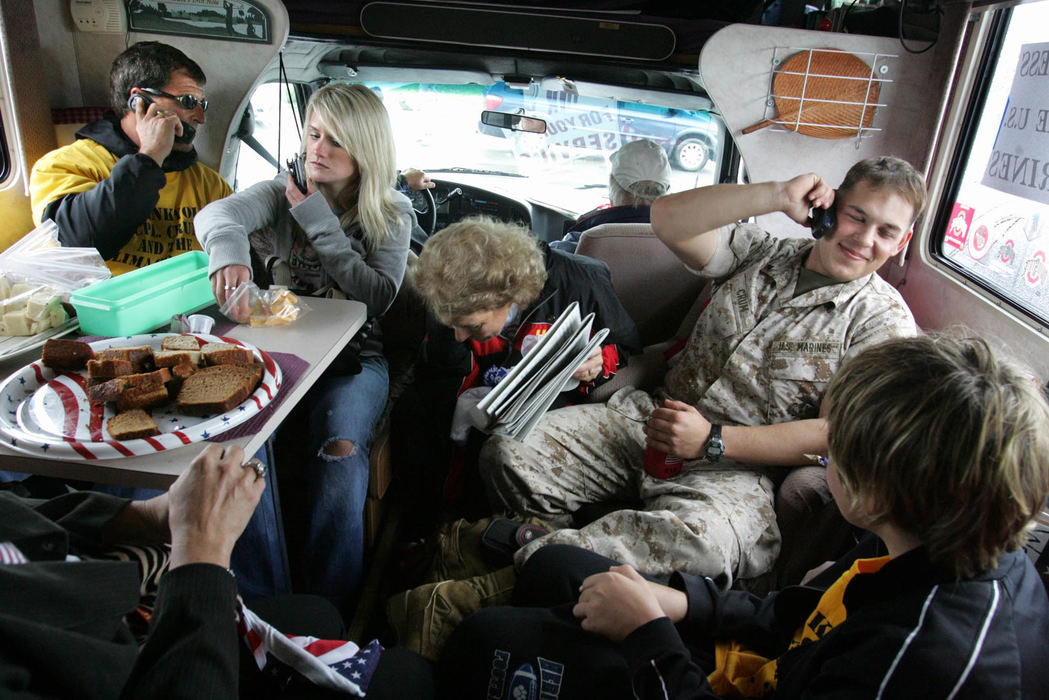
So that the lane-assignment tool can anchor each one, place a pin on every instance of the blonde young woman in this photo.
(349, 231)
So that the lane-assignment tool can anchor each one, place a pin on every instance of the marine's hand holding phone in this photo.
(799, 195)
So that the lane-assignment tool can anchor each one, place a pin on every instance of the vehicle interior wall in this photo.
(27, 124)
(737, 65)
(917, 119)
(73, 67)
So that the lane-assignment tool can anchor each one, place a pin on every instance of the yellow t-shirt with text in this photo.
(168, 231)
(743, 673)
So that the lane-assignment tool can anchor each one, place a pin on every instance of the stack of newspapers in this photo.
(517, 403)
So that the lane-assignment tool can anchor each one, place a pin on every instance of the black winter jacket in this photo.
(61, 629)
(106, 216)
(911, 631)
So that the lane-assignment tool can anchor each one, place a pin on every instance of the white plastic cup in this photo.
(200, 324)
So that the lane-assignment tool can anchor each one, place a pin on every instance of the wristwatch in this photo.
(715, 445)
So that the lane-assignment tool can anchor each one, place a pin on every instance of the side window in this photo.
(996, 231)
(273, 133)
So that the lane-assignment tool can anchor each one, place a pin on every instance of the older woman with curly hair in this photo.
(492, 290)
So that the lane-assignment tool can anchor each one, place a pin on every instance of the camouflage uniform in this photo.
(756, 357)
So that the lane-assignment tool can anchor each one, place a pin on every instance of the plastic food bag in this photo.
(275, 306)
(37, 277)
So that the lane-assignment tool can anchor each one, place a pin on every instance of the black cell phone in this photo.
(146, 100)
(822, 220)
(298, 172)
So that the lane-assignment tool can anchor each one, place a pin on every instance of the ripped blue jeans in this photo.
(342, 409)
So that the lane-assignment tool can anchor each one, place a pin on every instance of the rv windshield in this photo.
(439, 129)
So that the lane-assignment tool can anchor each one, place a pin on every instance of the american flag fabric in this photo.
(328, 663)
(11, 554)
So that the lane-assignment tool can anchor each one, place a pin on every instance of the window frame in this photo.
(5, 153)
(961, 153)
(299, 92)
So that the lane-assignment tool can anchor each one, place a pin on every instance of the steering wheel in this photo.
(425, 209)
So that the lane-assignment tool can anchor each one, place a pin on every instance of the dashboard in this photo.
(456, 201)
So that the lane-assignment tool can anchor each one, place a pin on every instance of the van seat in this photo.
(662, 296)
(654, 286)
(69, 120)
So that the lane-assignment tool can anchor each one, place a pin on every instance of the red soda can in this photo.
(660, 464)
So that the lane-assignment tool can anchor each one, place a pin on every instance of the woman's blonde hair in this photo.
(355, 116)
(479, 264)
(944, 440)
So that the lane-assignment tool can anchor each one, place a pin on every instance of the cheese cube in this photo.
(23, 288)
(17, 323)
(57, 314)
(38, 303)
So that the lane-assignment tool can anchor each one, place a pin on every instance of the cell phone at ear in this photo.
(298, 172)
(146, 100)
(822, 221)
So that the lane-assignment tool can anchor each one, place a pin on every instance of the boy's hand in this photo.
(677, 428)
(615, 603)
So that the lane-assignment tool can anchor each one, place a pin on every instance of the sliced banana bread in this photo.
(132, 425)
(140, 356)
(226, 354)
(180, 342)
(216, 389)
(62, 354)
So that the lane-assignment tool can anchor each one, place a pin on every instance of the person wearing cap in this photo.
(640, 173)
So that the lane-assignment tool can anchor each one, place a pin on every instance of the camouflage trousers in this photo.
(717, 522)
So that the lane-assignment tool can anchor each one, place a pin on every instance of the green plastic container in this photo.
(141, 300)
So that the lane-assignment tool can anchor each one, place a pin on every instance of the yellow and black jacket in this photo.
(103, 194)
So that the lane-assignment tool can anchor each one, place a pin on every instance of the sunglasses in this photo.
(189, 102)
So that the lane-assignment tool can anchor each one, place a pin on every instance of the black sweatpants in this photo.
(537, 645)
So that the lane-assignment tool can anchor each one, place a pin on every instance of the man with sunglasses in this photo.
(131, 184)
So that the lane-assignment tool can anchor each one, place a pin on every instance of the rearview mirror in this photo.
(514, 122)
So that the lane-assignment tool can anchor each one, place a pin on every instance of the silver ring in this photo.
(226, 289)
(257, 465)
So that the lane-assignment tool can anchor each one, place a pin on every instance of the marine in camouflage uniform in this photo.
(759, 354)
